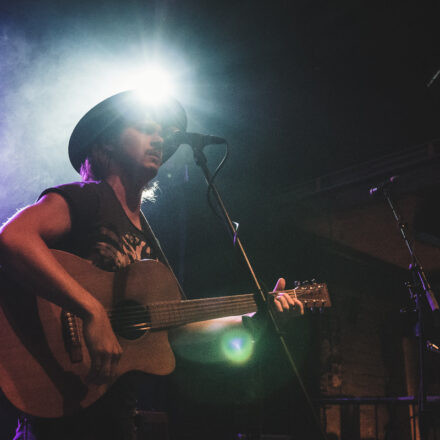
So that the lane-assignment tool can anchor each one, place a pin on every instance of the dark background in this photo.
(299, 88)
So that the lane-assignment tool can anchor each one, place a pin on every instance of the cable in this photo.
(211, 181)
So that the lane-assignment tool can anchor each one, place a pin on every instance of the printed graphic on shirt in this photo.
(112, 252)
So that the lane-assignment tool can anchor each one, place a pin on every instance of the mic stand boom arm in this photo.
(416, 267)
(262, 298)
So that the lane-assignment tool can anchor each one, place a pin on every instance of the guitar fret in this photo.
(203, 309)
(171, 314)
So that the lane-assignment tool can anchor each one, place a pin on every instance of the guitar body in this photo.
(44, 362)
(37, 373)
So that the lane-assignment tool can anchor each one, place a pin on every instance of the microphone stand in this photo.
(262, 298)
(419, 287)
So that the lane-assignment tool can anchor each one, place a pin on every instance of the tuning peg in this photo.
(297, 283)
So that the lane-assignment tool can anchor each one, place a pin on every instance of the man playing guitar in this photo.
(117, 147)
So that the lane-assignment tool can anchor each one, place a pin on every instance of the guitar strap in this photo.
(149, 235)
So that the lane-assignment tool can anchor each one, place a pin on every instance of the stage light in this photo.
(237, 345)
(153, 85)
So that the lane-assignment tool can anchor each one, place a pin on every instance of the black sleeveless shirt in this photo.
(101, 231)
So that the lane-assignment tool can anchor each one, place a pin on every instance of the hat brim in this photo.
(125, 108)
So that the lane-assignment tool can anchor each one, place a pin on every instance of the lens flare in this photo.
(237, 346)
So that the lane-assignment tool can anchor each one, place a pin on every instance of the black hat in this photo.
(123, 108)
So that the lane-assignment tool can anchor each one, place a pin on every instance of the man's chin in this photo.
(143, 175)
(151, 172)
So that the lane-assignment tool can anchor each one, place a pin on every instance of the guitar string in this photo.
(175, 320)
(201, 300)
(189, 303)
(184, 308)
(185, 305)
(291, 292)
(198, 300)
(172, 318)
(186, 312)
(181, 307)
(181, 312)
(171, 322)
(206, 313)
(172, 314)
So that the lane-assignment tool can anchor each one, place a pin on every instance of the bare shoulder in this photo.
(49, 218)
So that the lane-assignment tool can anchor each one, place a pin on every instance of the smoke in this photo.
(38, 112)
(55, 65)
(47, 84)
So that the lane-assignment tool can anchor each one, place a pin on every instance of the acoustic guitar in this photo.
(44, 361)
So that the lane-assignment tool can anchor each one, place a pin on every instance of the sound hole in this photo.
(130, 319)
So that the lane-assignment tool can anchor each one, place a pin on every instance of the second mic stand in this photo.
(262, 297)
(421, 286)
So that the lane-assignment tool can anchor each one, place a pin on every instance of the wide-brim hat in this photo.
(123, 108)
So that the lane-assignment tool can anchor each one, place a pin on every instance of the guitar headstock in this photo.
(313, 295)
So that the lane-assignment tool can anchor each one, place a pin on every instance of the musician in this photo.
(117, 147)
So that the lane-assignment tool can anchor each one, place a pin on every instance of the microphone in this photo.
(376, 189)
(197, 140)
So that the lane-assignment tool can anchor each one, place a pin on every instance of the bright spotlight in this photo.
(154, 85)
(237, 345)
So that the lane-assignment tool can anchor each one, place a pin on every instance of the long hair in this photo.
(97, 164)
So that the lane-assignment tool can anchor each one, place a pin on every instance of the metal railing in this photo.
(387, 419)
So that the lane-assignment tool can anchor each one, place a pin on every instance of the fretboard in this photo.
(171, 314)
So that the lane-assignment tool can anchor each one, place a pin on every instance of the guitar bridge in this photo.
(71, 336)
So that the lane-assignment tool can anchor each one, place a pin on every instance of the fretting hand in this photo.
(283, 301)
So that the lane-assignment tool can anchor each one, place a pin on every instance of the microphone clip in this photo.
(382, 186)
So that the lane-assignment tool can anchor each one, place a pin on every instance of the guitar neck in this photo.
(171, 314)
